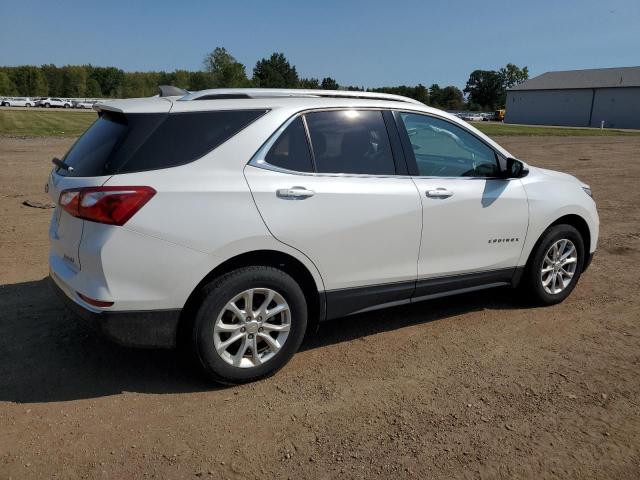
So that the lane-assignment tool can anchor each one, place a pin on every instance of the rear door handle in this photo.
(294, 193)
(439, 193)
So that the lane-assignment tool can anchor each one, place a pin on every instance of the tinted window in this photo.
(90, 153)
(291, 150)
(443, 149)
(118, 143)
(185, 137)
(350, 141)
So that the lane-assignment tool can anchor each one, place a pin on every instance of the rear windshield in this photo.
(118, 143)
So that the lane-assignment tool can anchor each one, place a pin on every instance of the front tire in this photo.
(250, 323)
(555, 266)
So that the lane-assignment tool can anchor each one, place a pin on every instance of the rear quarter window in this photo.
(185, 137)
(118, 143)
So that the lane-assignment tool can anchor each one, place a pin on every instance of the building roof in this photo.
(592, 78)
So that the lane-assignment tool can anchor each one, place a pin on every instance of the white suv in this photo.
(49, 102)
(230, 221)
(18, 102)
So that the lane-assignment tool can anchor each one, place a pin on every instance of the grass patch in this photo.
(45, 123)
(502, 129)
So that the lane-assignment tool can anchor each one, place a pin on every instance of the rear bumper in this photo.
(157, 328)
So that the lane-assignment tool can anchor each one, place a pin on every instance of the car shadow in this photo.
(48, 355)
(379, 321)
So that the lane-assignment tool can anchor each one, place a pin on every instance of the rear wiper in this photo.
(60, 164)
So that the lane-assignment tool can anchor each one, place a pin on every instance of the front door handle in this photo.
(439, 193)
(294, 193)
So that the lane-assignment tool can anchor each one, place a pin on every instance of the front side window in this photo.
(350, 141)
(442, 149)
(291, 150)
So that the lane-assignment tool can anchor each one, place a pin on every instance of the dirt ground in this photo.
(476, 386)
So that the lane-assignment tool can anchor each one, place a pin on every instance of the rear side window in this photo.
(118, 143)
(185, 137)
(350, 141)
(291, 150)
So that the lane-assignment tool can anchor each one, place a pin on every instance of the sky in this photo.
(366, 43)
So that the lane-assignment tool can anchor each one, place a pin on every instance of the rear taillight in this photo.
(111, 205)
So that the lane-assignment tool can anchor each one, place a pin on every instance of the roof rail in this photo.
(236, 93)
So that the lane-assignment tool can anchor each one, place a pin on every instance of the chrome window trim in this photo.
(258, 159)
(463, 127)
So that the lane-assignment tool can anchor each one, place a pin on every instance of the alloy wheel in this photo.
(559, 266)
(252, 327)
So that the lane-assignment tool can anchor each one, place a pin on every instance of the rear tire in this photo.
(265, 341)
(554, 266)
(47, 105)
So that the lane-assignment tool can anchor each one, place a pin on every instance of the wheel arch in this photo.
(577, 222)
(580, 224)
(270, 258)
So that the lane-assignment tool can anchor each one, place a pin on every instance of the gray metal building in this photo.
(581, 98)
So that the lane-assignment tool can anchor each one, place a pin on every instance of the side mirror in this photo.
(514, 168)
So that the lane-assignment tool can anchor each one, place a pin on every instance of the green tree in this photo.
(329, 83)
(225, 70)
(93, 88)
(55, 80)
(451, 98)
(200, 81)
(7, 87)
(512, 75)
(111, 80)
(136, 84)
(181, 78)
(485, 88)
(309, 83)
(435, 95)
(419, 92)
(29, 81)
(75, 81)
(275, 72)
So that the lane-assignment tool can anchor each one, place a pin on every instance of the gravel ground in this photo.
(476, 386)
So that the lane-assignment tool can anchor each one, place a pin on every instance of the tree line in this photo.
(484, 90)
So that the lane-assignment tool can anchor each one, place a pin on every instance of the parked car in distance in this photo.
(83, 103)
(48, 102)
(228, 222)
(18, 102)
(473, 117)
(497, 116)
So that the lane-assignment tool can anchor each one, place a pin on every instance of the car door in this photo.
(475, 220)
(327, 184)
